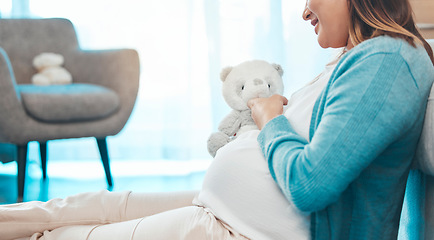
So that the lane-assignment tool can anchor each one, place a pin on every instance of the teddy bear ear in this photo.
(225, 72)
(278, 68)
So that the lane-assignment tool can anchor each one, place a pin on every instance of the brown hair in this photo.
(372, 18)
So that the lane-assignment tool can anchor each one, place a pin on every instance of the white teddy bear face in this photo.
(249, 80)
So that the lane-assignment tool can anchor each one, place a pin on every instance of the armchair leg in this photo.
(103, 151)
(21, 162)
(43, 152)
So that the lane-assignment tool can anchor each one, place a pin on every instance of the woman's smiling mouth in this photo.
(314, 23)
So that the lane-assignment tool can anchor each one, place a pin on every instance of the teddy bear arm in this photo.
(231, 123)
(216, 141)
(246, 118)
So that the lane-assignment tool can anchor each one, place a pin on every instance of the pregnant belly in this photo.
(239, 189)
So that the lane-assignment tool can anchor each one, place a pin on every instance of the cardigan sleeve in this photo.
(366, 107)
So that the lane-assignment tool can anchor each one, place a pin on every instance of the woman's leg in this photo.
(146, 204)
(25, 219)
(66, 233)
(188, 223)
(178, 224)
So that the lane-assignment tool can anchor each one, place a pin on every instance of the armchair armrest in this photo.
(10, 107)
(116, 69)
(109, 68)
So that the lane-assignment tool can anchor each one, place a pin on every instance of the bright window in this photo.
(183, 44)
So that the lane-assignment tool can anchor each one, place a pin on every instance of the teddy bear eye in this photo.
(269, 86)
(242, 88)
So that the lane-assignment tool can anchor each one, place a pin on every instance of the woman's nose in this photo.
(307, 13)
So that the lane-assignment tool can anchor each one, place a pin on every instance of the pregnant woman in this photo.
(332, 166)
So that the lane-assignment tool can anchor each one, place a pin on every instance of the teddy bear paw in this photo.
(216, 141)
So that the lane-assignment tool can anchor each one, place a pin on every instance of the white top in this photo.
(238, 188)
(301, 103)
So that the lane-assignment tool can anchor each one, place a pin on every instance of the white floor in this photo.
(69, 177)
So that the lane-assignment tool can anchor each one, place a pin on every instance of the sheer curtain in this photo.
(183, 44)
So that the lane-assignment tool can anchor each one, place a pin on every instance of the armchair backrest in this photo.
(23, 39)
(425, 150)
(419, 201)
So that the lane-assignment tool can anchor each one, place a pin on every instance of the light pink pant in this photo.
(107, 215)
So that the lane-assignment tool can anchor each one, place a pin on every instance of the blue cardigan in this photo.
(364, 129)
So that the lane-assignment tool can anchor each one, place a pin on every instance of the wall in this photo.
(424, 14)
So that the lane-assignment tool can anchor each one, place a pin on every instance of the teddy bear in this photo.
(50, 70)
(245, 81)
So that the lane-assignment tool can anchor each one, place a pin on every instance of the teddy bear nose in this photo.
(258, 81)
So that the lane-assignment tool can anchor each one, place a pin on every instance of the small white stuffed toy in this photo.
(248, 80)
(50, 70)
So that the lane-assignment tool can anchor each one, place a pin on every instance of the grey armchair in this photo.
(97, 104)
(417, 218)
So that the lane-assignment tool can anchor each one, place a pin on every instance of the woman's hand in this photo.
(265, 109)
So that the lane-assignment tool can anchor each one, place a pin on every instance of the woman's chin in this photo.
(322, 43)
(326, 44)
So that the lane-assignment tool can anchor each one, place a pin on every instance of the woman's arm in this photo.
(369, 104)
